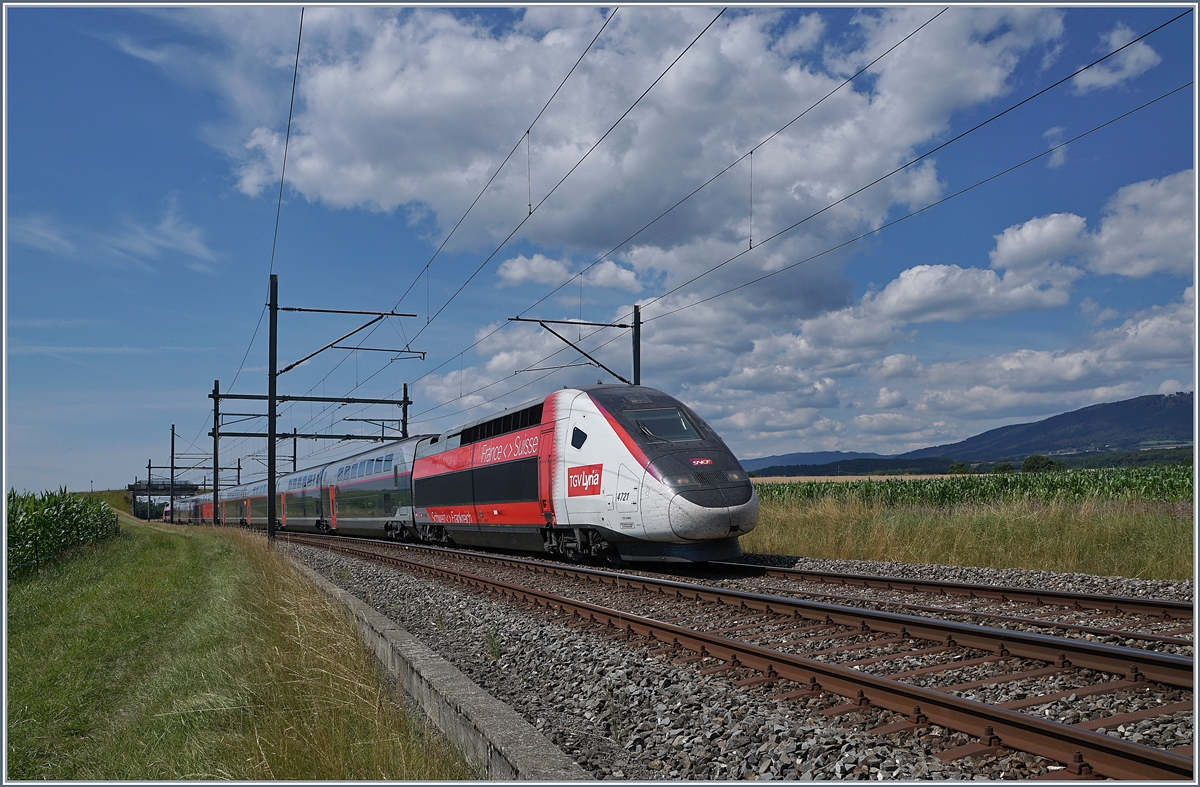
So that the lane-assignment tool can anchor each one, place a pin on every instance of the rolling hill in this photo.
(1130, 425)
(806, 458)
(1139, 424)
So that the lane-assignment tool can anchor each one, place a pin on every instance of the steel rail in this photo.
(1161, 667)
(1079, 748)
(1162, 638)
(1166, 668)
(995, 616)
(1164, 608)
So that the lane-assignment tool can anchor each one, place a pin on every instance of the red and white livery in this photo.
(625, 473)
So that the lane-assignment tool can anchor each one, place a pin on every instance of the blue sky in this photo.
(143, 155)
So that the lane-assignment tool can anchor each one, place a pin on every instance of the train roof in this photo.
(499, 414)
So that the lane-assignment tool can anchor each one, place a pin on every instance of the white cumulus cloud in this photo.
(888, 399)
(1130, 62)
(538, 268)
(1149, 227)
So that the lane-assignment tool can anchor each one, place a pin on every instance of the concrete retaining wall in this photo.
(490, 733)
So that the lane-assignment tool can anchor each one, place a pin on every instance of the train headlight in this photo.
(734, 475)
(678, 481)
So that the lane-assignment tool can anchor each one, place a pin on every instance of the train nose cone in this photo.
(697, 523)
(744, 518)
(710, 513)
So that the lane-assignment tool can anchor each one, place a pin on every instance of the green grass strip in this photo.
(172, 653)
(1143, 539)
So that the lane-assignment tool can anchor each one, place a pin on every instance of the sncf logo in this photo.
(584, 480)
(697, 462)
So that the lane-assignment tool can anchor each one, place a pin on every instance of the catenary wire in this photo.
(910, 215)
(524, 136)
(551, 192)
(919, 158)
(947, 198)
(869, 185)
(737, 161)
(278, 207)
(774, 134)
(920, 210)
(476, 200)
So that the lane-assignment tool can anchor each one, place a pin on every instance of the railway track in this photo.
(930, 672)
(1164, 624)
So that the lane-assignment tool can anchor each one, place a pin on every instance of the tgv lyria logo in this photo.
(584, 480)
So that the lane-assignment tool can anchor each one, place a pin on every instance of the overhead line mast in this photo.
(637, 341)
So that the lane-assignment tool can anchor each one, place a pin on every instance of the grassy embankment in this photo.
(166, 653)
(1146, 534)
(117, 499)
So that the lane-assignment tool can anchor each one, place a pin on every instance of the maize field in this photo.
(1164, 483)
(45, 525)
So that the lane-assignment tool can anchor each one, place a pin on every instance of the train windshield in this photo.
(667, 424)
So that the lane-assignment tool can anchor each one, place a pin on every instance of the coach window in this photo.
(578, 438)
(387, 463)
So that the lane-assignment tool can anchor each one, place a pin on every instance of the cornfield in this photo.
(1166, 483)
(45, 525)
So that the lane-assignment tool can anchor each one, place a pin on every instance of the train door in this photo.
(546, 456)
(333, 507)
(319, 500)
(628, 513)
(282, 510)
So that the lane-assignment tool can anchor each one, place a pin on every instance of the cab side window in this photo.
(578, 438)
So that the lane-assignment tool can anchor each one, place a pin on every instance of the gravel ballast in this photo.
(624, 714)
(1175, 589)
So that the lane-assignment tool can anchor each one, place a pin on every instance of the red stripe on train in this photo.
(524, 513)
(451, 515)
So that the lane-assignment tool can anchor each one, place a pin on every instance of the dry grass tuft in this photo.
(317, 703)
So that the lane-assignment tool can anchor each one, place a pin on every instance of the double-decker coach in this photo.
(626, 473)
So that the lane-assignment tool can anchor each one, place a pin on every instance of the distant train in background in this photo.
(617, 472)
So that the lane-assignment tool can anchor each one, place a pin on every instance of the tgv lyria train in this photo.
(614, 471)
